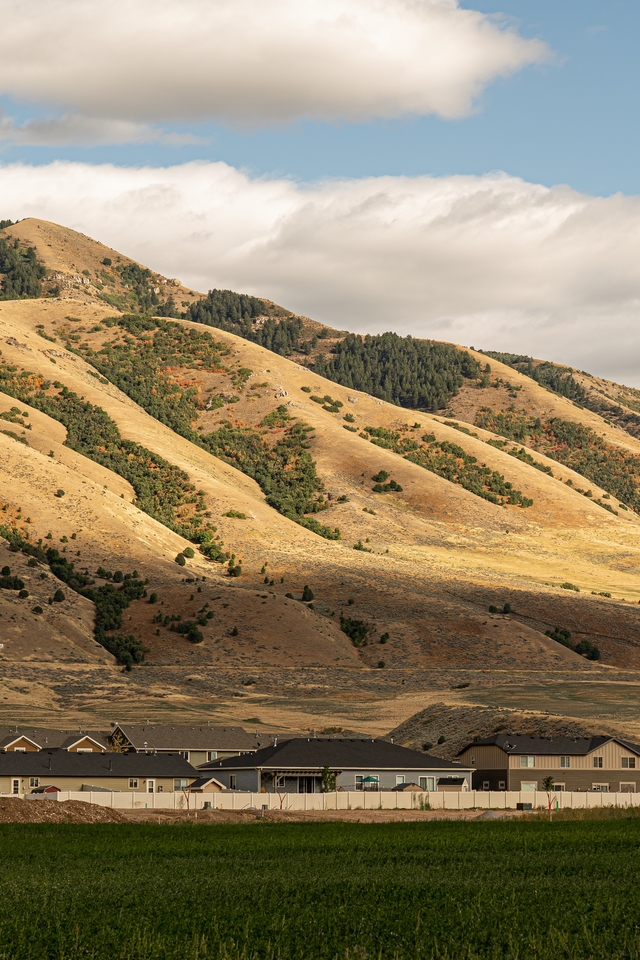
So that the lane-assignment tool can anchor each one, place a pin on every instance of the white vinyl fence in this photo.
(355, 800)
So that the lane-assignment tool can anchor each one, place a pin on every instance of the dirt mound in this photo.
(14, 810)
(459, 726)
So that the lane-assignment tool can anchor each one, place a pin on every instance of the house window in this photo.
(280, 782)
(486, 785)
(559, 787)
(627, 788)
(502, 785)
(565, 762)
(600, 787)
(84, 750)
(473, 761)
(597, 762)
(34, 781)
(185, 754)
(399, 780)
(427, 783)
(19, 749)
(370, 782)
(178, 785)
(527, 761)
(212, 755)
(160, 788)
(133, 783)
(232, 781)
(15, 786)
(529, 787)
(628, 763)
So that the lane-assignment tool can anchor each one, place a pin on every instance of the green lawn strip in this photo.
(491, 891)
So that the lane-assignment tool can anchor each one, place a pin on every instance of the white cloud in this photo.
(491, 261)
(251, 62)
(83, 131)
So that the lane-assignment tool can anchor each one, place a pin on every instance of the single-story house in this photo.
(32, 739)
(510, 761)
(297, 766)
(198, 743)
(22, 773)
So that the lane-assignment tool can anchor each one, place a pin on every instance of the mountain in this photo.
(236, 535)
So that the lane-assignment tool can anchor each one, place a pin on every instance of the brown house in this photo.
(33, 739)
(519, 763)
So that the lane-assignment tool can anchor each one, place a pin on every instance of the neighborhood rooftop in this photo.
(514, 743)
(184, 737)
(47, 737)
(61, 763)
(317, 752)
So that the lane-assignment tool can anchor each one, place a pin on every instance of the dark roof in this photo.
(315, 753)
(203, 781)
(450, 781)
(60, 763)
(184, 737)
(46, 737)
(548, 746)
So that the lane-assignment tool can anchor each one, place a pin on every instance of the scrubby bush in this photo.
(37, 609)
(59, 596)
(180, 560)
(356, 630)
(307, 594)
(23, 594)
(153, 598)
(59, 493)
(384, 638)
(189, 553)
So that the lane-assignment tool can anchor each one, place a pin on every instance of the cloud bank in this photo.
(251, 62)
(491, 261)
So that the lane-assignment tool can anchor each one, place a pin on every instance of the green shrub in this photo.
(59, 596)
(493, 609)
(23, 594)
(381, 664)
(307, 594)
(384, 638)
(442, 739)
(189, 553)
(11, 583)
(180, 560)
(37, 609)
(6, 571)
(569, 586)
(59, 493)
(356, 630)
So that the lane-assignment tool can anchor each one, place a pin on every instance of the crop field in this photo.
(499, 890)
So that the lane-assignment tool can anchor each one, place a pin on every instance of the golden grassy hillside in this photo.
(428, 562)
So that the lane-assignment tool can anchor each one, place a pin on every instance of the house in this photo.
(297, 765)
(32, 739)
(519, 763)
(197, 744)
(25, 772)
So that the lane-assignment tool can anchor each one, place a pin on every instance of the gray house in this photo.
(197, 743)
(297, 765)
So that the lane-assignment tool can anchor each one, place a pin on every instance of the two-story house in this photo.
(509, 761)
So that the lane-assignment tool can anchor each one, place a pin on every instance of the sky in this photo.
(460, 170)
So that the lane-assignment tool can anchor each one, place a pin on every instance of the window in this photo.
(597, 762)
(19, 749)
(502, 785)
(178, 785)
(212, 755)
(527, 761)
(84, 750)
(600, 787)
(160, 788)
(399, 780)
(133, 783)
(34, 781)
(427, 783)
(627, 788)
(280, 782)
(485, 785)
(565, 762)
(232, 781)
(628, 763)
(185, 754)
(559, 787)
(15, 786)
(529, 787)
(151, 786)
(473, 761)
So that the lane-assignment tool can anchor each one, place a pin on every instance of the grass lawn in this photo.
(525, 890)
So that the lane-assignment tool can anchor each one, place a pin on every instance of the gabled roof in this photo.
(314, 753)
(45, 737)
(515, 743)
(52, 764)
(203, 782)
(185, 737)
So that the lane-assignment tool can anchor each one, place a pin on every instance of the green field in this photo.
(328, 890)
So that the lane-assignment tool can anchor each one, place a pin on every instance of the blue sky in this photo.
(573, 120)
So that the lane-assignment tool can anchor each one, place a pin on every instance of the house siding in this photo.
(76, 783)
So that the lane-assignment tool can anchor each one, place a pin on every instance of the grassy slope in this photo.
(449, 554)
